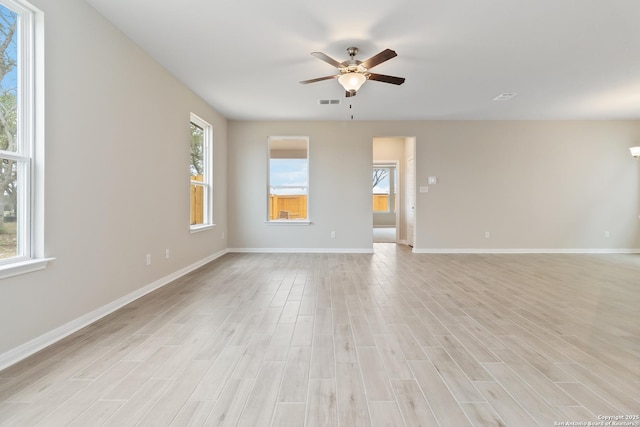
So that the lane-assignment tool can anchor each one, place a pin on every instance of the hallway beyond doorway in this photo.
(384, 235)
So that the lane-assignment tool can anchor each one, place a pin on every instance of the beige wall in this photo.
(533, 185)
(116, 177)
(339, 188)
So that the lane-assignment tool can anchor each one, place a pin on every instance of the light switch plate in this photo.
(433, 180)
(424, 189)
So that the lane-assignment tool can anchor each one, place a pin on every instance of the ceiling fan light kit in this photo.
(353, 72)
(351, 82)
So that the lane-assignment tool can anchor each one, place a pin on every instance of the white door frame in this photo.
(410, 189)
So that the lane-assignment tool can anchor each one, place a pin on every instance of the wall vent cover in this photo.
(328, 101)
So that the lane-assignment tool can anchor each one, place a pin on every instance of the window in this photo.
(384, 184)
(288, 180)
(19, 80)
(201, 197)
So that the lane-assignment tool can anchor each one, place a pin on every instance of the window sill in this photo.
(200, 228)
(288, 222)
(23, 267)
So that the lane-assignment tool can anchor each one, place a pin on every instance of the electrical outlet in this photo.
(333, 234)
(607, 234)
(487, 234)
(166, 254)
(222, 236)
(148, 259)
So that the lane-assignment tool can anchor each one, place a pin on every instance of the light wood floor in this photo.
(388, 339)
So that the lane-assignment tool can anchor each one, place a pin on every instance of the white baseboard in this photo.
(304, 250)
(27, 349)
(524, 251)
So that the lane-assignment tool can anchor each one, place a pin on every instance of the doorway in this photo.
(389, 194)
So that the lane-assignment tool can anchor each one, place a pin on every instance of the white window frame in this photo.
(207, 175)
(307, 220)
(30, 141)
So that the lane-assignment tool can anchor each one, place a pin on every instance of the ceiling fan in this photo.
(353, 73)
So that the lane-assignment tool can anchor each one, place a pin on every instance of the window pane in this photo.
(9, 203)
(8, 132)
(8, 80)
(197, 153)
(197, 174)
(197, 204)
(381, 188)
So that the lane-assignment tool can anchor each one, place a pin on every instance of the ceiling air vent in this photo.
(504, 96)
(328, 101)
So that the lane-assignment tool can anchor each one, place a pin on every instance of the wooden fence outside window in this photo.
(197, 201)
(287, 207)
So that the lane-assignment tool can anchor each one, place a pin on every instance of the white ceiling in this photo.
(566, 59)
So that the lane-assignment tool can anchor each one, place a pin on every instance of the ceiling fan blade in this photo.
(385, 55)
(319, 79)
(329, 60)
(386, 79)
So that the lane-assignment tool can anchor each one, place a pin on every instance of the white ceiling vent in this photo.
(328, 101)
(504, 96)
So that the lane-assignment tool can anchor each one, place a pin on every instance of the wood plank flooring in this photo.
(385, 339)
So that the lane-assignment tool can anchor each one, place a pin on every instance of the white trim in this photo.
(201, 227)
(23, 267)
(26, 108)
(27, 349)
(303, 250)
(525, 251)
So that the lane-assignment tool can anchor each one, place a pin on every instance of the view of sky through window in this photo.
(10, 79)
(286, 174)
(382, 186)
